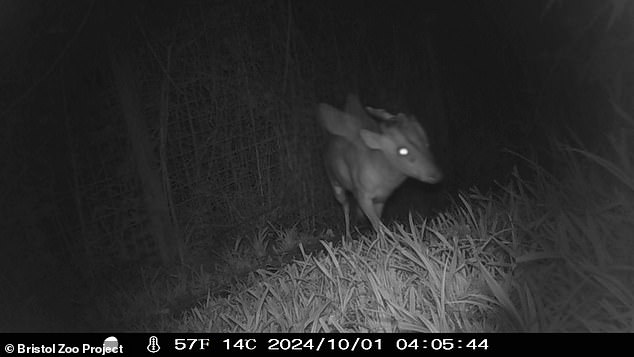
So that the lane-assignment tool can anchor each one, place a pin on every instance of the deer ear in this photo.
(338, 122)
(380, 113)
(371, 139)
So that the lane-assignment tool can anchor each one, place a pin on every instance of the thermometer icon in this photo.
(153, 347)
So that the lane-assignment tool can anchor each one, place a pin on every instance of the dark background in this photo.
(485, 78)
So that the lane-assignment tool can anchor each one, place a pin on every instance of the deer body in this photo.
(370, 157)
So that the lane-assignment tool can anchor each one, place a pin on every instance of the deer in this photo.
(370, 152)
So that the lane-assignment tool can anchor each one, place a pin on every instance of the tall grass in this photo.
(550, 254)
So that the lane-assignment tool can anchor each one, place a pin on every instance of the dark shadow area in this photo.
(132, 132)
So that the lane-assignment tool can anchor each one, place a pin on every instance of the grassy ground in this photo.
(549, 254)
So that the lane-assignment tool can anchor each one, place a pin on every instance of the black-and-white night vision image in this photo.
(284, 166)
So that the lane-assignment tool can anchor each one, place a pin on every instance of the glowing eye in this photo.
(403, 151)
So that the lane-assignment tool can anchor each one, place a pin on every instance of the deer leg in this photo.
(368, 207)
(342, 198)
(378, 208)
(346, 215)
